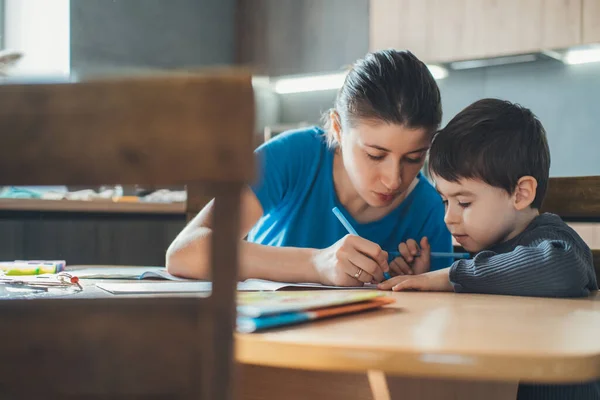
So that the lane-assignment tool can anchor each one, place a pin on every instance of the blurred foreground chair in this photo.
(172, 129)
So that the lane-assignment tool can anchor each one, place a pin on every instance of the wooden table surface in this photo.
(439, 336)
(445, 335)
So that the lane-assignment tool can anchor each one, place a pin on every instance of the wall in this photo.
(267, 107)
(2, 24)
(565, 98)
(144, 34)
(285, 37)
(140, 36)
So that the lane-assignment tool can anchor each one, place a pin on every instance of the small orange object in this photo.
(126, 199)
(74, 279)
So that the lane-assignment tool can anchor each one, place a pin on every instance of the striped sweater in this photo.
(548, 259)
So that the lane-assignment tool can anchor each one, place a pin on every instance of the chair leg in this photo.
(224, 265)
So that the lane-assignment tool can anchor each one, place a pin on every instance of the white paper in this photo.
(154, 287)
(111, 272)
(130, 273)
(250, 285)
(257, 284)
(140, 273)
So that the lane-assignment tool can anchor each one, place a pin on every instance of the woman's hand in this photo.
(436, 281)
(351, 261)
(413, 260)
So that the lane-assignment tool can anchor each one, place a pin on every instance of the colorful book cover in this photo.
(257, 304)
(248, 324)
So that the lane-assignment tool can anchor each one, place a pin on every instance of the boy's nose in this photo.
(451, 218)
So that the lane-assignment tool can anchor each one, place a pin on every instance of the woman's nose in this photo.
(392, 178)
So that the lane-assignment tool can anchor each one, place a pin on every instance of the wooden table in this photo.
(428, 345)
(425, 346)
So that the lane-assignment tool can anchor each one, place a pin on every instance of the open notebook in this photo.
(176, 284)
(119, 272)
(249, 285)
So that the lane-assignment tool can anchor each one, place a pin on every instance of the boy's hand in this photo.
(436, 281)
(411, 263)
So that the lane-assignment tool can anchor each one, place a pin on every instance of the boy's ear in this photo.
(336, 126)
(525, 192)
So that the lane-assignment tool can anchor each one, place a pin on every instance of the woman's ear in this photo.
(336, 126)
(525, 192)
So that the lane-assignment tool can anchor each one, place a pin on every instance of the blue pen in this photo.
(351, 230)
(435, 254)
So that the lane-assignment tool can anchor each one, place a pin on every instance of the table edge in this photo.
(488, 367)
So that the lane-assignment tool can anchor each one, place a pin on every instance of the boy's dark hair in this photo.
(390, 86)
(495, 141)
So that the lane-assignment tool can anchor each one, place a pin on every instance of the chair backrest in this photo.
(576, 199)
(171, 129)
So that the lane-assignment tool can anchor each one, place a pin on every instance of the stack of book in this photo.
(258, 311)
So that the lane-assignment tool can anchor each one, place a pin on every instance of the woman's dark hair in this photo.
(389, 86)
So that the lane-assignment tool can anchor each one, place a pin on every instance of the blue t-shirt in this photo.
(297, 193)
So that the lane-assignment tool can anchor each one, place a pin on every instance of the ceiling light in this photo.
(582, 56)
(260, 81)
(309, 83)
(489, 62)
(313, 83)
(437, 71)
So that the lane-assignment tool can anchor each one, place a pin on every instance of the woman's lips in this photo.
(387, 197)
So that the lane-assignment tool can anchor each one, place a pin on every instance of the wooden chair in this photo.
(172, 129)
(576, 199)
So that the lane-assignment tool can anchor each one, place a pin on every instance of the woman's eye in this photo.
(445, 203)
(464, 205)
(414, 160)
(376, 158)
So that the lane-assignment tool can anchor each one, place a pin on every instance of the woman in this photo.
(366, 163)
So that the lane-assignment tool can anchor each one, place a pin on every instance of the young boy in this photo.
(490, 164)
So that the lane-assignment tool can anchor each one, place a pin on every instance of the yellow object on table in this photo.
(37, 267)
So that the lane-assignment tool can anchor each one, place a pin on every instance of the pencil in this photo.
(436, 254)
(351, 230)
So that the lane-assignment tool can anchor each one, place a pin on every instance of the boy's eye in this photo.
(445, 203)
(464, 205)
(376, 158)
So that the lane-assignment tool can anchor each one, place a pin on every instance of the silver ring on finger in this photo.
(358, 273)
